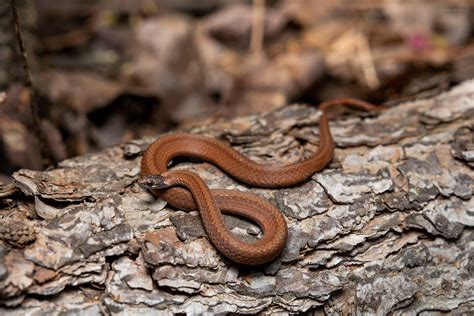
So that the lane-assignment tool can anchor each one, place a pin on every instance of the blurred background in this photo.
(105, 72)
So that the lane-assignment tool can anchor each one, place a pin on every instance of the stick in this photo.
(44, 156)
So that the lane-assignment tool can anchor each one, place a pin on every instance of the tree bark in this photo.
(386, 228)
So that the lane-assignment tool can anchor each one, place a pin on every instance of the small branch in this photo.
(367, 62)
(258, 27)
(45, 160)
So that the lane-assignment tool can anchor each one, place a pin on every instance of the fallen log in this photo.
(387, 227)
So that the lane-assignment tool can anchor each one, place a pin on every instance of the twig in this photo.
(45, 157)
(258, 27)
(367, 62)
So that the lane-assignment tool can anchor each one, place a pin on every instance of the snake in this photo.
(187, 191)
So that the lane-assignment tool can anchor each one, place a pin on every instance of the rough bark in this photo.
(386, 228)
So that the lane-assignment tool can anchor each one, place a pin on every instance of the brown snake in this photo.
(168, 185)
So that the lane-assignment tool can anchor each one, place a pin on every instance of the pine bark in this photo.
(387, 227)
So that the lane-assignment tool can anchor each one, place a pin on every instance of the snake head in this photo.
(153, 182)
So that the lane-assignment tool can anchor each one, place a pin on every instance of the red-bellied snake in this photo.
(168, 185)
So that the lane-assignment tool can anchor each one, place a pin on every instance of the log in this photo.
(387, 227)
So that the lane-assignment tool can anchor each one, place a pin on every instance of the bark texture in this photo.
(386, 228)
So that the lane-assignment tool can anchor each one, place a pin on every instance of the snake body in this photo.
(186, 190)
